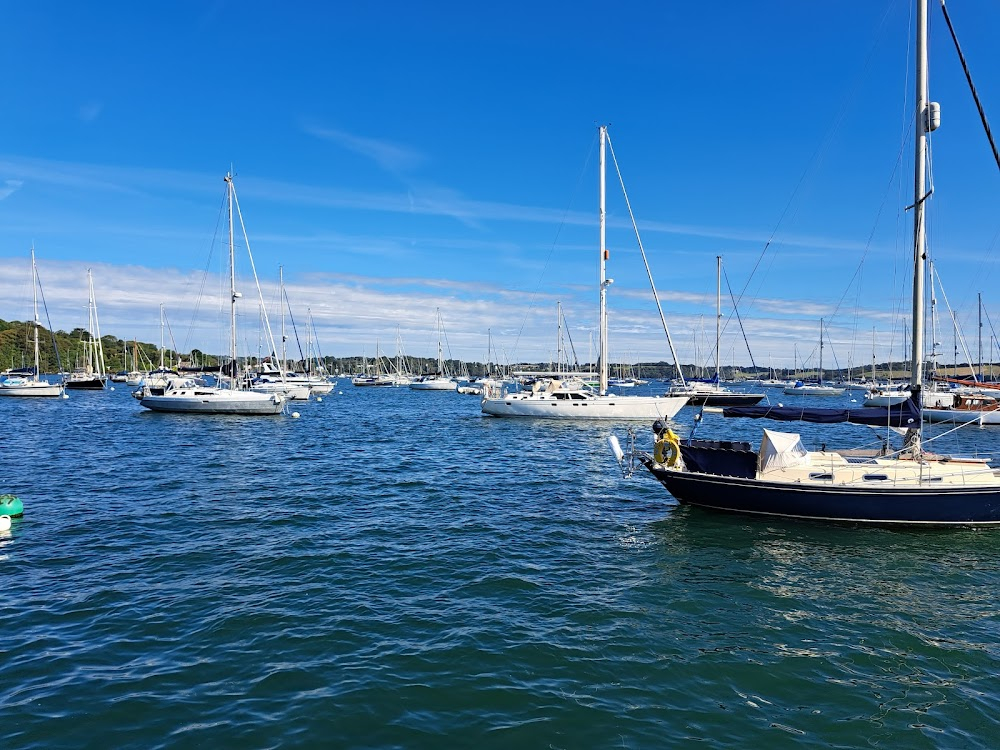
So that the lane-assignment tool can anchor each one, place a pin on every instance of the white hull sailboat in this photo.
(434, 383)
(184, 395)
(572, 399)
(31, 385)
(440, 380)
(807, 389)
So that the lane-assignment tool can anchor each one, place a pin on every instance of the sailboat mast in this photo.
(440, 327)
(924, 125)
(979, 297)
(281, 306)
(232, 279)
(162, 350)
(559, 357)
(34, 306)
(604, 282)
(820, 379)
(718, 314)
(96, 351)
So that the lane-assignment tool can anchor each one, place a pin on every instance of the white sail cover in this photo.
(779, 450)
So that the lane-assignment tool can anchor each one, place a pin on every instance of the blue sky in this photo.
(398, 157)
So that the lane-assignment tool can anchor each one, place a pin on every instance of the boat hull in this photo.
(958, 416)
(725, 399)
(593, 407)
(35, 388)
(219, 402)
(813, 391)
(434, 385)
(89, 384)
(932, 506)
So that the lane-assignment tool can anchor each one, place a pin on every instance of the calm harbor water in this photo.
(395, 570)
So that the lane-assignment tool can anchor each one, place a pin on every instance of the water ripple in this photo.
(393, 570)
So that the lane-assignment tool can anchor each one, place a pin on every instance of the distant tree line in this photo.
(16, 350)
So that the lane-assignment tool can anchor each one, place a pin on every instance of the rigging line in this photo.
(815, 158)
(961, 335)
(253, 266)
(738, 318)
(171, 332)
(871, 234)
(649, 273)
(993, 333)
(972, 86)
(204, 274)
(555, 241)
(295, 330)
(48, 320)
(569, 337)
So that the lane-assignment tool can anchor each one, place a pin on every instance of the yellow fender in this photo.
(667, 450)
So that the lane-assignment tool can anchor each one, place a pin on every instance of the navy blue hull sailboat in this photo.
(784, 479)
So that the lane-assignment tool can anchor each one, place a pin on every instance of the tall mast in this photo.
(718, 314)
(233, 294)
(34, 305)
(980, 313)
(559, 357)
(162, 350)
(927, 114)
(934, 321)
(281, 305)
(873, 355)
(440, 327)
(96, 344)
(604, 281)
(820, 351)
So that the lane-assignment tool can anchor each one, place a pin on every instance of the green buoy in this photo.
(11, 505)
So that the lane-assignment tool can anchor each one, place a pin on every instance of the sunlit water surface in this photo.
(393, 569)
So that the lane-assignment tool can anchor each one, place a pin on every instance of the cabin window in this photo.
(821, 475)
(876, 477)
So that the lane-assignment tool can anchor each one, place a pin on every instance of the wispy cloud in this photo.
(351, 312)
(425, 200)
(392, 157)
(10, 187)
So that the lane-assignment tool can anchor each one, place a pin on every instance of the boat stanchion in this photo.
(627, 459)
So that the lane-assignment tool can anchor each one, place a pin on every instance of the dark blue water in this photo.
(394, 570)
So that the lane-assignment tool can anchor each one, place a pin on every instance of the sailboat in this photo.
(572, 398)
(439, 380)
(30, 384)
(713, 393)
(784, 479)
(272, 376)
(818, 389)
(184, 394)
(373, 376)
(91, 374)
